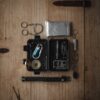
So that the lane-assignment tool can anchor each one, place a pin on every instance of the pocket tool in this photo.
(36, 26)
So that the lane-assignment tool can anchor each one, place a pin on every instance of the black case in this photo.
(48, 56)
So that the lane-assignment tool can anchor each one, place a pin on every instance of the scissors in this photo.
(25, 31)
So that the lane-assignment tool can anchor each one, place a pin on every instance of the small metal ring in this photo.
(25, 32)
(35, 26)
(24, 24)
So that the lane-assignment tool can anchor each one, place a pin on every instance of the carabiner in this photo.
(37, 52)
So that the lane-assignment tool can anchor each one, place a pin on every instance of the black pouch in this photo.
(47, 55)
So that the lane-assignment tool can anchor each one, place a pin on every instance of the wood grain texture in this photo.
(12, 13)
(92, 51)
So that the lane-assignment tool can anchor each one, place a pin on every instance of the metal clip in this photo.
(37, 52)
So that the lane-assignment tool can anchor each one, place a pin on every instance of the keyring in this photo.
(37, 25)
(35, 28)
(24, 24)
(25, 32)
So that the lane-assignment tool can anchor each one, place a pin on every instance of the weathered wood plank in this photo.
(12, 13)
(92, 51)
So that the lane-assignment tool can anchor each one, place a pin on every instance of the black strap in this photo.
(47, 79)
(79, 3)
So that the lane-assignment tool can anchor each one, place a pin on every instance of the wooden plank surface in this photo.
(92, 51)
(12, 13)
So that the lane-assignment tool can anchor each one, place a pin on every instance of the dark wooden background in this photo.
(12, 13)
